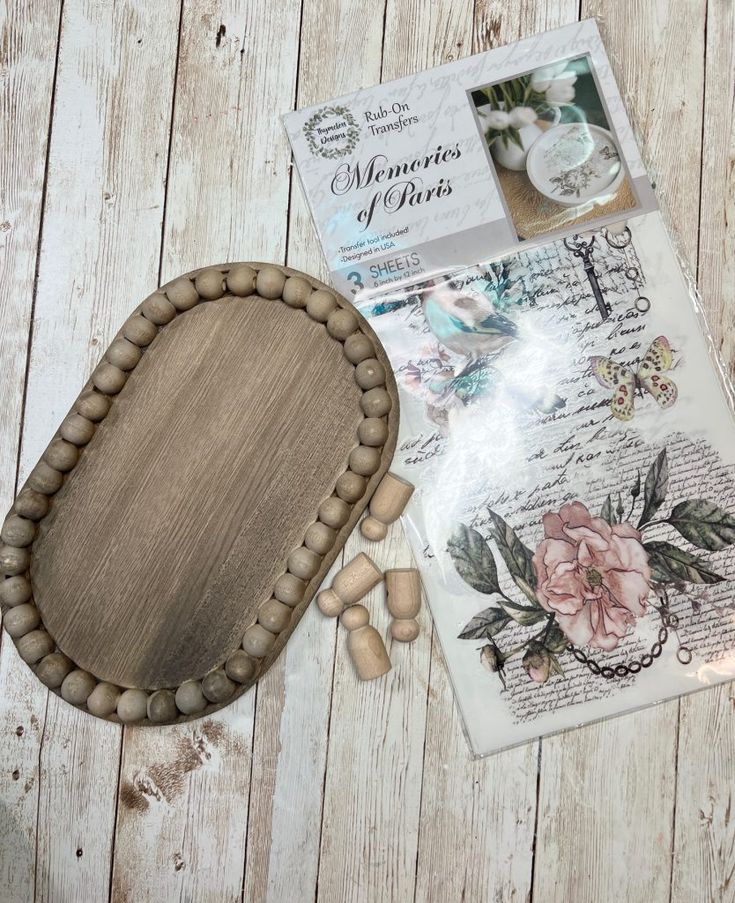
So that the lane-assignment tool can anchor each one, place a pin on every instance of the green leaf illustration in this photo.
(517, 557)
(555, 666)
(620, 510)
(474, 560)
(486, 624)
(657, 482)
(607, 511)
(669, 564)
(525, 615)
(704, 524)
(555, 640)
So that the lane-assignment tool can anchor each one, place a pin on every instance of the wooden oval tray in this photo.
(168, 541)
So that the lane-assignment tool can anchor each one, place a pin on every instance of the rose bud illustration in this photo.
(537, 663)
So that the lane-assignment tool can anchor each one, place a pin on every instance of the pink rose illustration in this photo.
(594, 576)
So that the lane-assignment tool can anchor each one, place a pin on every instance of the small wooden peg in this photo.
(404, 631)
(386, 505)
(365, 644)
(349, 586)
(403, 598)
(403, 592)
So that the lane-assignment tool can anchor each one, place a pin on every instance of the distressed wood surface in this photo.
(28, 42)
(152, 147)
(237, 59)
(585, 812)
(165, 604)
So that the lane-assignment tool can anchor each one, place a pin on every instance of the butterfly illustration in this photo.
(650, 376)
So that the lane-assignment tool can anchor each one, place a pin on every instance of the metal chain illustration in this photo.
(622, 242)
(669, 623)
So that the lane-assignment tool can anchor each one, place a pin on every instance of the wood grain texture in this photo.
(194, 842)
(369, 844)
(369, 836)
(292, 722)
(594, 822)
(703, 866)
(666, 39)
(145, 585)
(477, 816)
(102, 177)
(28, 38)
(249, 193)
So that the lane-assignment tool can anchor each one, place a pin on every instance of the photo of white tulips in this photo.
(556, 158)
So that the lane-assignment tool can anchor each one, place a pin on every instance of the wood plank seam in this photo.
(24, 396)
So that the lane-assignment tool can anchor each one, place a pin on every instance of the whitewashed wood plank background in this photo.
(141, 139)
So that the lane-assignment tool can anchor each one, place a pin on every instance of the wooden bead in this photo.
(334, 512)
(366, 648)
(13, 560)
(319, 538)
(356, 579)
(162, 707)
(15, 591)
(21, 620)
(189, 698)
(373, 432)
(158, 309)
(257, 641)
(240, 667)
(355, 617)
(132, 706)
(31, 504)
(61, 455)
(350, 486)
(404, 631)
(390, 498)
(217, 686)
(320, 305)
(45, 479)
(270, 282)
(182, 294)
(289, 590)
(17, 531)
(102, 701)
(241, 280)
(403, 592)
(34, 646)
(210, 284)
(341, 323)
(77, 686)
(329, 603)
(364, 460)
(123, 354)
(274, 615)
(303, 563)
(369, 374)
(296, 291)
(109, 379)
(139, 331)
(372, 529)
(77, 429)
(375, 402)
(94, 406)
(52, 669)
(358, 347)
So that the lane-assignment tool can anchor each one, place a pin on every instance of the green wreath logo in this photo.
(332, 132)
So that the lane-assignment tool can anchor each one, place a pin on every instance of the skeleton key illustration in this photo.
(583, 249)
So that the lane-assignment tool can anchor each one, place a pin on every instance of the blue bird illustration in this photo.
(466, 324)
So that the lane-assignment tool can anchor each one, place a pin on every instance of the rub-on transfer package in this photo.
(564, 416)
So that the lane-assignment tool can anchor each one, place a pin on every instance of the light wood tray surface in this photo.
(158, 559)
